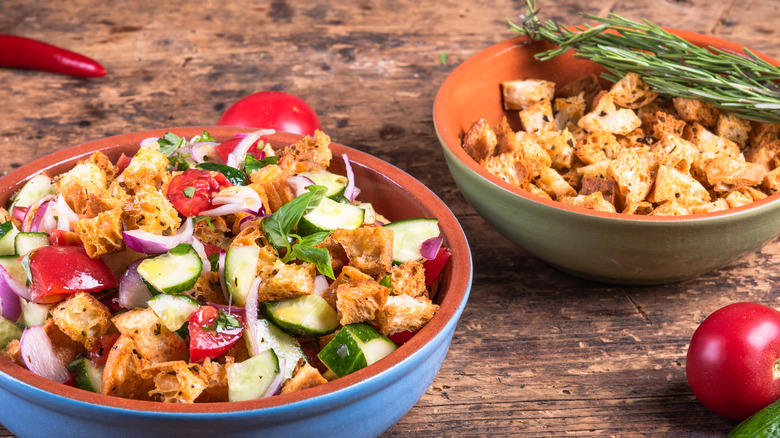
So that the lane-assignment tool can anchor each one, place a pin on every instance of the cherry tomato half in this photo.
(213, 332)
(733, 358)
(191, 191)
(272, 110)
(58, 271)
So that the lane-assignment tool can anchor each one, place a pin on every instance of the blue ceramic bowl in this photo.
(362, 404)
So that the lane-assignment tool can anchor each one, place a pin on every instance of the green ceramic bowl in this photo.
(608, 247)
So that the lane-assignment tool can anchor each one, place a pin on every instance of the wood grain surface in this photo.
(537, 352)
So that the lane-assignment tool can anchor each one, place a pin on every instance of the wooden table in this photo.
(537, 352)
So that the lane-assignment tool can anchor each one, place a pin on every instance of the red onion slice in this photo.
(299, 184)
(132, 289)
(233, 310)
(204, 151)
(65, 215)
(18, 214)
(150, 243)
(236, 199)
(20, 290)
(222, 284)
(39, 357)
(251, 314)
(349, 192)
(34, 215)
(10, 306)
(430, 247)
(236, 157)
(201, 250)
(320, 284)
(148, 141)
(276, 383)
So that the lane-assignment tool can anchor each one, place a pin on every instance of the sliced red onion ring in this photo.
(148, 141)
(10, 305)
(320, 284)
(204, 151)
(251, 314)
(32, 219)
(150, 243)
(65, 215)
(299, 184)
(201, 250)
(39, 357)
(236, 157)
(276, 383)
(236, 199)
(222, 284)
(233, 310)
(430, 247)
(132, 290)
(20, 290)
(18, 214)
(349, 192)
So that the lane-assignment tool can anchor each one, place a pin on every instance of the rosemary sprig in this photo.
(738, 82)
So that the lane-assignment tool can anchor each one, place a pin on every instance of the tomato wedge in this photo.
(434, 266)
(225, 148)
(59, 271)
(212, 332)
(191, 191)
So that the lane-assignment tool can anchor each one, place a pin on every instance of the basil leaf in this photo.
(206, 137)
(319, 256)
(169, 143)
(189, 192)
(251, 163)
(277, 226)
(313, 239)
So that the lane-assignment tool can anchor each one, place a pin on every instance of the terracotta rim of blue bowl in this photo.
(455, 286)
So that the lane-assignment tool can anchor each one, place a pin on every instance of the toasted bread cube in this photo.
(348, 274)
(213, 231)
(597, 147)
(733, 128)
(65, 348)
(521, 94)
(359, 302)
(725, 173)
(534, 189)
(207, 289)
(716, 205)
(559, 146)
(480, 141)
(553, 183)
(676, 152)
(175, 381)
(304, 376)
(101, 234)
(215, 375)
(771, 183)
(369, 249)
(587, 86)
(605, 117)
(696, 111)
(13, 352)
(83, 318)
(404, 313)
(767, 154)
(633, 176)
(273, 181)
(150, 338)
(102, 161)
(632, 92)
(122, 372)
(641, 208)
(671, 185)
(148, 167)
(312, 152)
(569, 110)
(151, 211)
(538, 117)
(738, 198)
(77, 184)
(710, 144)
(607, 187)
(593, 201)
(508, 167)
(662, 124)
(595, 170)
(670, 209)
(408, 279)
(763, 132)
(282, 281)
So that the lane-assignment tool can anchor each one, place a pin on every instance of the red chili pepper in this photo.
(26, 53)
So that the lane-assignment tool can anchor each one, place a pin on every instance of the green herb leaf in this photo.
(278, 226)
(319, 256)
(180, 249)
(169, 143)
(224, 321)
(206, 137)
(235, 176)
(197, 219)
(251, 163)
(189, 192)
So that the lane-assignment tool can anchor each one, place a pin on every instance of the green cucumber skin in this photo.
(157, 282)
(296, 328)
(342, 342)
(405, 249)
(764, 423)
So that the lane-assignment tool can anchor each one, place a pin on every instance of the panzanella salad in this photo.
(199, 271)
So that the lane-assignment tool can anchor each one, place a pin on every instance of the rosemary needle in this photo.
(733, 81)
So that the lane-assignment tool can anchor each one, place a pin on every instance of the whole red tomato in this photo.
(732, 362)
(272, 110)
(191, 191)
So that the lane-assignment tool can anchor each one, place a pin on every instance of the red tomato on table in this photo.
(59, 271)
(731, 361)
(213, 332)
(191, 191)
(272, 110)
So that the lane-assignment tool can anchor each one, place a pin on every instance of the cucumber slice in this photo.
(8, 234)
(240, 271)
(173, 310)
(284, 345)
(330, 215)
(409, 235)
(34, 189)
(356, 346)
(88, 375)
(26, 242)
(173, 272)
(14, 267)
(9, 331)
(307, 316)
(34, 314)
(251, 378)
(369, 217)
(335, 183)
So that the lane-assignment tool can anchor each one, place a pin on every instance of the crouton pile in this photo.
(626, 149)
(146, 361)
